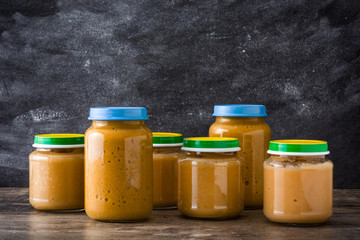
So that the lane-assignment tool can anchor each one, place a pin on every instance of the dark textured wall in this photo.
(179, 58)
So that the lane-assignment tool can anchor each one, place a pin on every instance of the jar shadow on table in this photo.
(62, 211)
(125, 222)
(224, 219)
(298, 225)
(165, 208)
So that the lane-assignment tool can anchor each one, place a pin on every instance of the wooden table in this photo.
(18, 220)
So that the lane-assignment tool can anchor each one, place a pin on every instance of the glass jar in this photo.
(211, 178)
(246, 122)
(298, 182)
(118, 165)
(56, 172)
(166, 153)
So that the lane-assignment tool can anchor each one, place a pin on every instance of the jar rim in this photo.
(57, 146)
(168, 145)
(297, 153)
(214, 150)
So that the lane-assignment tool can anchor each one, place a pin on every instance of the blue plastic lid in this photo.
(240, 110)
(118, 113)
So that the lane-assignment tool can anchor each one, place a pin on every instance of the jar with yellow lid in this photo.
(298, 182)
(56, 172)
(246, 123)
(118, 165)
(166, 153)
(211, 178)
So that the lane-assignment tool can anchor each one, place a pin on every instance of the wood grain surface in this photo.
(18, 220)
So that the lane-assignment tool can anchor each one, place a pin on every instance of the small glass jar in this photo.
(118, 165)
(211, 178)
(166, 153)
(246, 122)
(56, 172)
(298, 182)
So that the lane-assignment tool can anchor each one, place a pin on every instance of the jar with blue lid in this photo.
(246, 123)
(118, 165)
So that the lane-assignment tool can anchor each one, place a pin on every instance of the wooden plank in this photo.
(18, 220)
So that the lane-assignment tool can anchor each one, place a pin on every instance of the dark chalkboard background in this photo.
(179, 58)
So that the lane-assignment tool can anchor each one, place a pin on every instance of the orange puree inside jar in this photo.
(254, 136)
(298, 189)
(166, 153)
(56, 174)
(165, 177)
(210, 183)
(118, 170)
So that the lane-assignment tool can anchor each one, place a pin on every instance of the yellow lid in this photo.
(167, 138)
(298, 146)
(58, 139)
(211, 142)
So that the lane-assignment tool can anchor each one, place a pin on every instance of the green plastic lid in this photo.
(165, 139)
(211, 144)
(59, 140)
(298, 147)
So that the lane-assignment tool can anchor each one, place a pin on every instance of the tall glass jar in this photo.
(56, 172)
(298, 182)
(246, 122)
(167, 147)
(118, 165)
(211, 178)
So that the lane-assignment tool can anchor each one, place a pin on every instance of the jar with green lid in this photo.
(211, 178)
(56, 172)
(166, 153)
(298, 182)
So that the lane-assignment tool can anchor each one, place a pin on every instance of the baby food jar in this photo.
(56, 172)
(298, 182)
(246, 122)
(166, 153)
(118, 165)
(211, 178)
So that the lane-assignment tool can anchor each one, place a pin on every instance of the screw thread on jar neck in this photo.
(166, 149)
(298, 158)
(103, 123)
(240, 119)
(212, 154)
